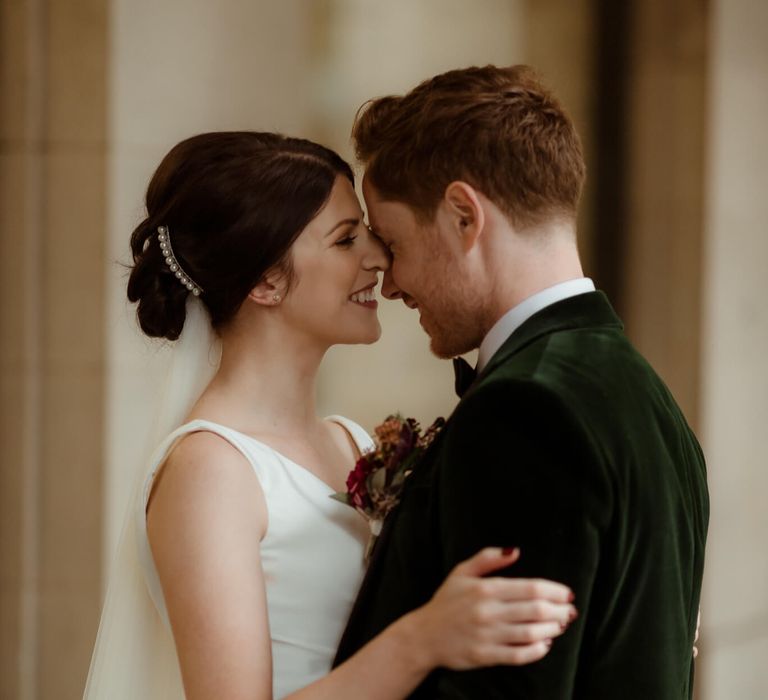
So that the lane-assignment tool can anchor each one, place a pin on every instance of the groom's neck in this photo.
(528, 265)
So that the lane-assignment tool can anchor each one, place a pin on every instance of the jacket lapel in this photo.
(590, 310)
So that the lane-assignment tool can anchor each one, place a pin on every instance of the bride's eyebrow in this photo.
(343, 222)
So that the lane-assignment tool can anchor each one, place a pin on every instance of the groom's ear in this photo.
(466, 212)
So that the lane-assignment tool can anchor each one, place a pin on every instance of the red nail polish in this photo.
(571, 597)
(508, 551)
(548, 643)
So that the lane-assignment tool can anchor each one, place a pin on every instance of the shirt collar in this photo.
(515, 317)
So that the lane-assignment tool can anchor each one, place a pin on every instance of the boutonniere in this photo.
(375, 485)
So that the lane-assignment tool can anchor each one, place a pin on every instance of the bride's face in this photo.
(336, 262)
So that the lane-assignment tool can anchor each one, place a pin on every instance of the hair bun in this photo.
(161, 298)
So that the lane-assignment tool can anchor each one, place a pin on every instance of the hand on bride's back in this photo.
(476, 620)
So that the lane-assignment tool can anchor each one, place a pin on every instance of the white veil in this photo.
(135, 656)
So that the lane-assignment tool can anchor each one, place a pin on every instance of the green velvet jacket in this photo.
(569, 446)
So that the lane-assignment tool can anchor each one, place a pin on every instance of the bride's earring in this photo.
(276, 298)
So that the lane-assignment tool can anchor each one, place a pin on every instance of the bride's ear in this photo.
(268, 292)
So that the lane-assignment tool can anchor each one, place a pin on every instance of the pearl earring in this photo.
(276, 298)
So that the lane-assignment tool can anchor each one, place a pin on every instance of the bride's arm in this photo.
(205, 519)
(469, 623)
(202, 525)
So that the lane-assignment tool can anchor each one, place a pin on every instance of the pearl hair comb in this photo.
(164, 236)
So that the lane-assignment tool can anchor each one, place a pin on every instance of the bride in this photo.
(236, 570)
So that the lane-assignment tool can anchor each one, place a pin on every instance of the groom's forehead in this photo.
(372, 200)
(369, 189)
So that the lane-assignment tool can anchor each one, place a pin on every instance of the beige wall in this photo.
(735, 343)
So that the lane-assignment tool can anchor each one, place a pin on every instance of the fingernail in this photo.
(548, 643)
(573, 615)
(509, 551)
(563, 626)
(571, 596)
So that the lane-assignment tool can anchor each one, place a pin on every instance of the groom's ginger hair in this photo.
(498, 129)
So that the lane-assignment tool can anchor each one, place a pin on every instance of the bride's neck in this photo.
(265, 383)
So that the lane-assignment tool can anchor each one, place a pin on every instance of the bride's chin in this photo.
(368, 338)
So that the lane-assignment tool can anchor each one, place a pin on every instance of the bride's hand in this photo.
(473, 621)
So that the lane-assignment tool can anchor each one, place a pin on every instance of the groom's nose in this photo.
(388, 287)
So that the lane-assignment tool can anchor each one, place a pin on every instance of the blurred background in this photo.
(671, 99)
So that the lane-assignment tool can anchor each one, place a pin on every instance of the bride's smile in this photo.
(366, 297)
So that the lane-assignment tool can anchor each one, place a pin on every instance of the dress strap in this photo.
(359, 435)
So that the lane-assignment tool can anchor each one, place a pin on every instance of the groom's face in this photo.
(425, 274)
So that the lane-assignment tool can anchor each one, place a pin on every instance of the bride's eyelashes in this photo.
(346, 241)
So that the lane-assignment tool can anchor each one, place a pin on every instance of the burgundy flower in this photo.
(357, 488)
(375, 484)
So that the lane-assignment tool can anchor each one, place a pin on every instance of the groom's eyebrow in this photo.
(343, 222)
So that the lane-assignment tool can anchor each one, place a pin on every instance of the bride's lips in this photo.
(365, 297)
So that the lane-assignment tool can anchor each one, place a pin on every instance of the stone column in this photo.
(734, 344)
(665, 191)
(52, 215)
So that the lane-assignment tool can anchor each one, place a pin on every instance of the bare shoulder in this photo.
(204, 478)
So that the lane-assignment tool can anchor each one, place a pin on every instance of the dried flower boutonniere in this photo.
(375, 485)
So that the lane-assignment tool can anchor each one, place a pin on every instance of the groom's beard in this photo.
(454, 326)
(448, 343)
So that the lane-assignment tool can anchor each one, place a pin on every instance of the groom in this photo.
(566, 443)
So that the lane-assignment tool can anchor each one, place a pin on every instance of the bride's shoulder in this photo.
(200, 461)
(202, 477)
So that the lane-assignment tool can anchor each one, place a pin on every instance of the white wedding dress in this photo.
(312, 553)
(312, 557)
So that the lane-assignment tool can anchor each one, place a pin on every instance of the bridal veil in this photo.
(134, 656)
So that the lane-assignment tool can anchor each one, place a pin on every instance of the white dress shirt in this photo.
(515, 317)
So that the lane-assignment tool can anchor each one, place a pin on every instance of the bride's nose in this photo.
(376, 256)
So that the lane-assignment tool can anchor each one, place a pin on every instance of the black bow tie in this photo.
(465, 375)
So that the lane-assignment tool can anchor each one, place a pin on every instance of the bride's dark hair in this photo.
(234, 203)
